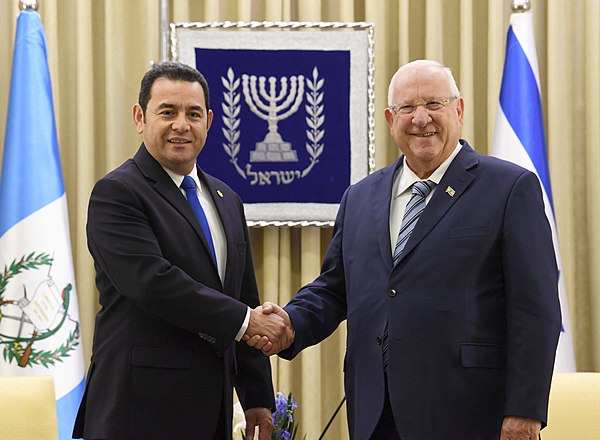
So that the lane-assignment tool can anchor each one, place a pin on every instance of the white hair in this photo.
(425, 63)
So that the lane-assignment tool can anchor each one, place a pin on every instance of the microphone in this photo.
(332, 418)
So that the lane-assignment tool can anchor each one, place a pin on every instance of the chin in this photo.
(427, 149)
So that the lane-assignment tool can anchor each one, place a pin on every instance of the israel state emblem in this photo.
(273, 100)
(35, 326)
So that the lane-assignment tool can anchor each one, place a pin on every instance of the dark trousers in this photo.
(386, 426)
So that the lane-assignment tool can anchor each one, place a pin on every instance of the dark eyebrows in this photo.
(163, 105)
(197, 108)
(166, 105)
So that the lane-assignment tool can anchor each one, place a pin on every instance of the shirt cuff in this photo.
(244, 326)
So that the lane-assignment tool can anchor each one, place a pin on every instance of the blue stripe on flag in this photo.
(31, 175)
(521, 103)
(66, 410)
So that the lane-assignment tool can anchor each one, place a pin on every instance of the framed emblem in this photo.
(293, 106)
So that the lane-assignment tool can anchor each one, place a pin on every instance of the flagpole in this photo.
(28, 5)
(164, 30)
(521, 5)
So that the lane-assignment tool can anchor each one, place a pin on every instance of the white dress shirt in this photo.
(216, 230)
(401, 192)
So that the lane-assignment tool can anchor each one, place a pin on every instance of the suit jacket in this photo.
(164, 355)
(472, 305)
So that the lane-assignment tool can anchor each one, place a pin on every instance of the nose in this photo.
(180, 123)
(421, 116)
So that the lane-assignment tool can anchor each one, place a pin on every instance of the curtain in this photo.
(99, 49)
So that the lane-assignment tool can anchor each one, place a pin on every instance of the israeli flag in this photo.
(520, 138)
(39, 318)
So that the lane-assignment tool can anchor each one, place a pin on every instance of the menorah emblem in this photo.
(274, 108)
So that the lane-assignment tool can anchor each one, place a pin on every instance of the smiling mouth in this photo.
(428, 134)
(179, 141)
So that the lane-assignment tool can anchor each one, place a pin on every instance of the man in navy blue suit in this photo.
(175, 297)
(452, 329)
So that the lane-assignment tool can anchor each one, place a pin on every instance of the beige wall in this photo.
(99, 49)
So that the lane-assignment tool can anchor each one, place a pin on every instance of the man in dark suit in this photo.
(453, 327)
(174, 297)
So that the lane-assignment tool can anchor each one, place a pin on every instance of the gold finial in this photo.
(521, 5)
(28, 5)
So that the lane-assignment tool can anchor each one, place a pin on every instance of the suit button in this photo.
(378, 340)
(392, 292)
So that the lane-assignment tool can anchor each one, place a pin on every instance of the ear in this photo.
(138, 118)
(209, 118)
(460, 109)
(389, 117)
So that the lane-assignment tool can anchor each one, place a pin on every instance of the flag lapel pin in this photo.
(450, 191)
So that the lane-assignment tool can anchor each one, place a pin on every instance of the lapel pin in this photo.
(450, 191)
(220, 194)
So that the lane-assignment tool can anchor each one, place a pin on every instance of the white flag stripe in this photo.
(44, 231)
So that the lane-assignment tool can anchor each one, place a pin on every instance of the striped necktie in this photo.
(189, 186)
(414, 209)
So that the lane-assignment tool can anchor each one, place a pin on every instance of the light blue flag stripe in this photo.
(66, 410)
(31, 174)
(521, 103)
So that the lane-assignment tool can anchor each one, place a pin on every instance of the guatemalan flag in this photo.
(39, 318)
(519, 137)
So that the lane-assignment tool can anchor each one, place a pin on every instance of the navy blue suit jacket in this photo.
(472, 306)
(165, 359)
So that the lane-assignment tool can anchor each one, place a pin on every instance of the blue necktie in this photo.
(414, 209)
(189, 186)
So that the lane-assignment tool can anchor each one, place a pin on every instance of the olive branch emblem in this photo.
(231, 110)
(231, 130)
(16, 267)
(14, 351)
(314, 120)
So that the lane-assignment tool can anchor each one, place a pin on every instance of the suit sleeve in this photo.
(319, 307)
(130, 261)
(532, 304)
(253, 381)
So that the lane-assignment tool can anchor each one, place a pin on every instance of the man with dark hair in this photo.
(176, 284)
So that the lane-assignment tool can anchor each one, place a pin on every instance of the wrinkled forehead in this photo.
(421, 83)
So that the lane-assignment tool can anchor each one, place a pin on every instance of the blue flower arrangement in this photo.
(283, 418)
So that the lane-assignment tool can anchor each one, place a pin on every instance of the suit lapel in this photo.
(456, 180)
(222, 205)
(381, 194)
(163, 184)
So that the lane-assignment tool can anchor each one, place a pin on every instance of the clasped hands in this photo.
(270, 329)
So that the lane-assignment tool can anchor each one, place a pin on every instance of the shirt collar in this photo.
(407, 176)
(178, 178)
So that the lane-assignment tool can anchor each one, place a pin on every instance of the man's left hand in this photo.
(520, 428)
(262, 418)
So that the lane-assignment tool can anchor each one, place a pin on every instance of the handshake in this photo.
(270, 329)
